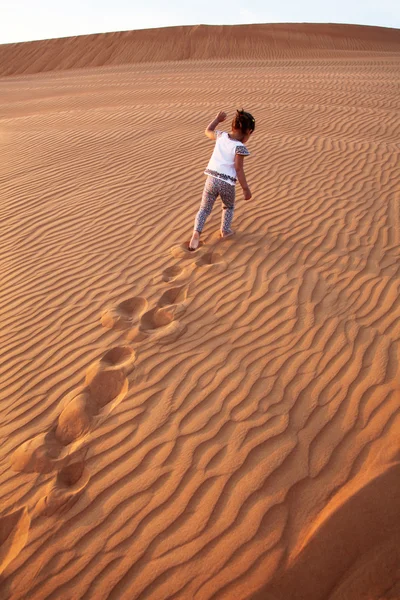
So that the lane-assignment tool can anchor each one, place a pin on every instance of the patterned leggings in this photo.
(212, 189)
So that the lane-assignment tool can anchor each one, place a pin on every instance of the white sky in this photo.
(23, 20)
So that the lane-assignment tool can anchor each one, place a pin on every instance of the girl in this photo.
(223, 170)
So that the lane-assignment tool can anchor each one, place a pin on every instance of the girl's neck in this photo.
(236, 135)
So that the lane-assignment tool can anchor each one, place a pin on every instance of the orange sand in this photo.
(213, 425)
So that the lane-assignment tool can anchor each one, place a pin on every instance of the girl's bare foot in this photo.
(195, 241)
(225, 234)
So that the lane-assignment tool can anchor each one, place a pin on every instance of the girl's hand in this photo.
(247, 193)
(221, 116)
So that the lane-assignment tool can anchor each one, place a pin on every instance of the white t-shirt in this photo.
(222, 161)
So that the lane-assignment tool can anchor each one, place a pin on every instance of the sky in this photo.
(25, 20)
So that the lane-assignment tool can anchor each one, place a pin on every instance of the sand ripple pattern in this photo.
(201, 425)
(200, 42)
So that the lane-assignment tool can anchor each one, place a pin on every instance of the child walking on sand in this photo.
(223, 170)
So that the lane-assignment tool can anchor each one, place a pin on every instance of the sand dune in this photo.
(218, 424)
(200, 42)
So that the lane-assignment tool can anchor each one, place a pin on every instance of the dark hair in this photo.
(243, 121)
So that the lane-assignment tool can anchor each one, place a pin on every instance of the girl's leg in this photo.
(210, 194)
(228, 207)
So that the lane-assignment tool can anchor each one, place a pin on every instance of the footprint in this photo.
(125, 314)
(106, 380)
(121, 357)
(40, 454)
(62, 494)
(172, 273)
(162, 319)
(106, 385)
(14, 530)
(157, 317)
(176, 295)
(76, 418)
(103, 385)
(210, 258)
(160, 322)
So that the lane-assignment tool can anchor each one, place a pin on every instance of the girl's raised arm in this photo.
(221, 116)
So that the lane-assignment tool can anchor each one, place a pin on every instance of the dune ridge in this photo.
(200, 42)
(210, 425)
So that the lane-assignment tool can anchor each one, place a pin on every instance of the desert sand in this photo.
(221, 424)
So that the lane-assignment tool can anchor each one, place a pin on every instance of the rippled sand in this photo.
(218, 424)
